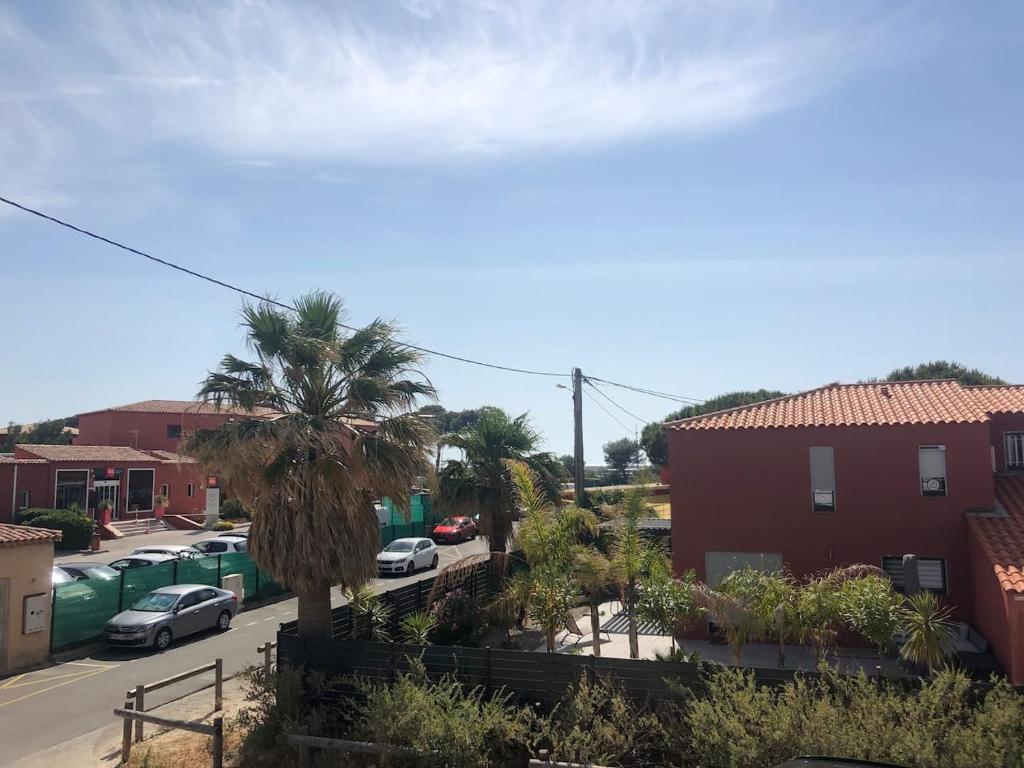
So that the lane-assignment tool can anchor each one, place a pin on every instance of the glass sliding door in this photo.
(140, 490)
(72, 489)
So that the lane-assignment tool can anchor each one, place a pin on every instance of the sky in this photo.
(691, 197)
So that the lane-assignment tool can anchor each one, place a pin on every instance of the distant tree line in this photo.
(43, 433)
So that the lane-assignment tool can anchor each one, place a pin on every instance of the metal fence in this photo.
(81, 609)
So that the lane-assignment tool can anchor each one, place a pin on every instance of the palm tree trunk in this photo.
(634, 641)
(497, 539)
(315, 613)
(549, 639)
(595, 627)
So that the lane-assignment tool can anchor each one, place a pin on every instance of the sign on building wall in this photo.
(212, 506)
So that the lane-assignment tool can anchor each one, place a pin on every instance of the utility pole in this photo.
(577, 413)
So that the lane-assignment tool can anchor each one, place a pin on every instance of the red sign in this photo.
(211, 481)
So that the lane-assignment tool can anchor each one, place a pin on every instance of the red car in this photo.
(452, 530)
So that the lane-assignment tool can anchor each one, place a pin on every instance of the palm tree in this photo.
(331, 429)
(928, 631)
(632, 558)
(593, 572)
(481, 480)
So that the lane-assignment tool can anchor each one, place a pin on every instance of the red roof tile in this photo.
(1008, 398)
(842, 405)
(1002, 537)
(85, 453)
(17, 535)
(177, 406)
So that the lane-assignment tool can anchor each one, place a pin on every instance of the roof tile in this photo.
(85, 453)
(178, 406)
(1002, 537)
(17, 535)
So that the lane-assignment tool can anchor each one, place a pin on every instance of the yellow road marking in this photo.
(58, 685)
(83, 664)
(43, 680)
(13, 680)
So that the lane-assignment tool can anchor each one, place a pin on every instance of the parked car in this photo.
(140, 561)
(452, 530)
(180, 551)
(86, 571)
(407, 555)
(59, 576)
(165, 614)
(233, 535)
(222, 545)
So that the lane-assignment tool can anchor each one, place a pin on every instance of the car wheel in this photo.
(433, 563)
(410, 569)
(162, 641)
(224, 621)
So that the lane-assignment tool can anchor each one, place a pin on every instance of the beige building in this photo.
(26, 564)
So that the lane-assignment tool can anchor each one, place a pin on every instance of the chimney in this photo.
(885, 391)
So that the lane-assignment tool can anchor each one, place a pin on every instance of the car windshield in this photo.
(449, 521)
(156, 601)
(61, 577)
(100, 572)
(399, 546)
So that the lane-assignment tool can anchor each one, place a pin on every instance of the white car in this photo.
(180, 551)
(222, 545)
(405, 556)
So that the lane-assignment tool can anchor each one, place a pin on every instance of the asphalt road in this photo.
(50, 706)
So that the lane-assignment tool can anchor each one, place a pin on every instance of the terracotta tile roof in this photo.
(172, 457)
(85, 453)
(1008, 398)
(13, 460)
(842, 405)
(1002, 537)
(176, 406)
(17, 535)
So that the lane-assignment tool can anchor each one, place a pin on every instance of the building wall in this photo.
(749, 491)
(26, 570)
(997, 615)
(145, 431)
(999, 424)
(31, 477)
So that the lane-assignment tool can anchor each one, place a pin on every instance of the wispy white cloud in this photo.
(418, 82)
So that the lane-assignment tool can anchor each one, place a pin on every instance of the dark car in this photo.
(172, 612)
(86, 571)
(452, 530)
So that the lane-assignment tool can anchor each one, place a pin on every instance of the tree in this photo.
(50, 432)
(568, 463)
(620, 455)
(653, 440)
(668, 603)
(872, 609)
(928, 631)
(942, 369)
(343, 433)
(632, 557)
(593, 572)
(446, 423)
(818, 610)
(481, 480)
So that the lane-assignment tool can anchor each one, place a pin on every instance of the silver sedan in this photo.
(169, 613)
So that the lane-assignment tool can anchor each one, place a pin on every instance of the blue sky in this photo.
(687, 196)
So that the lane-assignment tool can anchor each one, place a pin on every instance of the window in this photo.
(140, 489)
(187, 601)
(24, 499)
(931, 573)
(823, 479)
(165, 491)
(212, 546)
(1014, 450)
(72, 488)
(174, 431)
(931, 460)
(191, 490)
(206, 594)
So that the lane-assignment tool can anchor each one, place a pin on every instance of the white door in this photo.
(109, 490)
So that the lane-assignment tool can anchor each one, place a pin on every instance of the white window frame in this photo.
(191, 490)
(939, 448)
(128, 489)
(24, 499)
(56, 483)
(1016, 439)
(165, 490)
(833, 504)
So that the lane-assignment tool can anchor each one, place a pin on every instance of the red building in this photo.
(127, 455)
(865, 473)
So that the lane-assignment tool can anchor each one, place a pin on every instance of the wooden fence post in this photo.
(140, 706)
(218, 685)
(126, 736)
(218, 742)
(487, 680)
(266, 660)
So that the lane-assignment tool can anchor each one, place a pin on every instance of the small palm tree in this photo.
(416, 627)
(331, 429)
(481, 480)
(928, 631)
(632, 558)
(593, 572)
(872, 609)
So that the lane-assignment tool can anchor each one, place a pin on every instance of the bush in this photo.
(223, 525)
(461, 620)
(26, 516)
(76, 527)
(233, 509)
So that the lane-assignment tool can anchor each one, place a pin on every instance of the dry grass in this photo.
(662, 509)
(181, 749)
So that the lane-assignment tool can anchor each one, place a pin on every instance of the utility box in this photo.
(36, 614)
(235, 582)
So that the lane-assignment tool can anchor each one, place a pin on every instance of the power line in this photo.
(282, 305)
(256, 296)
(602, 394)
(615, 418)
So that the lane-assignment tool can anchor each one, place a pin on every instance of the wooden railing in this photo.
(268, 659)
(136, 699)
(216, 730)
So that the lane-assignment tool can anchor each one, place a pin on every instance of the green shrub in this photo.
(461, 620)
(233, 509)
(26, 516)
(442, 724)
(223, 525)
(76, 527)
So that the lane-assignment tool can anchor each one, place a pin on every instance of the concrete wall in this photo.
(998, 614)
(25, 569)
(748, 490)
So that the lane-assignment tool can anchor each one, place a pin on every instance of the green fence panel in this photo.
(269, 587)
(81, 609)
(140, 581)
(203, 570)
(239, 562)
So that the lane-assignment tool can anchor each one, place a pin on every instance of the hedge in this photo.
(76, 527)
